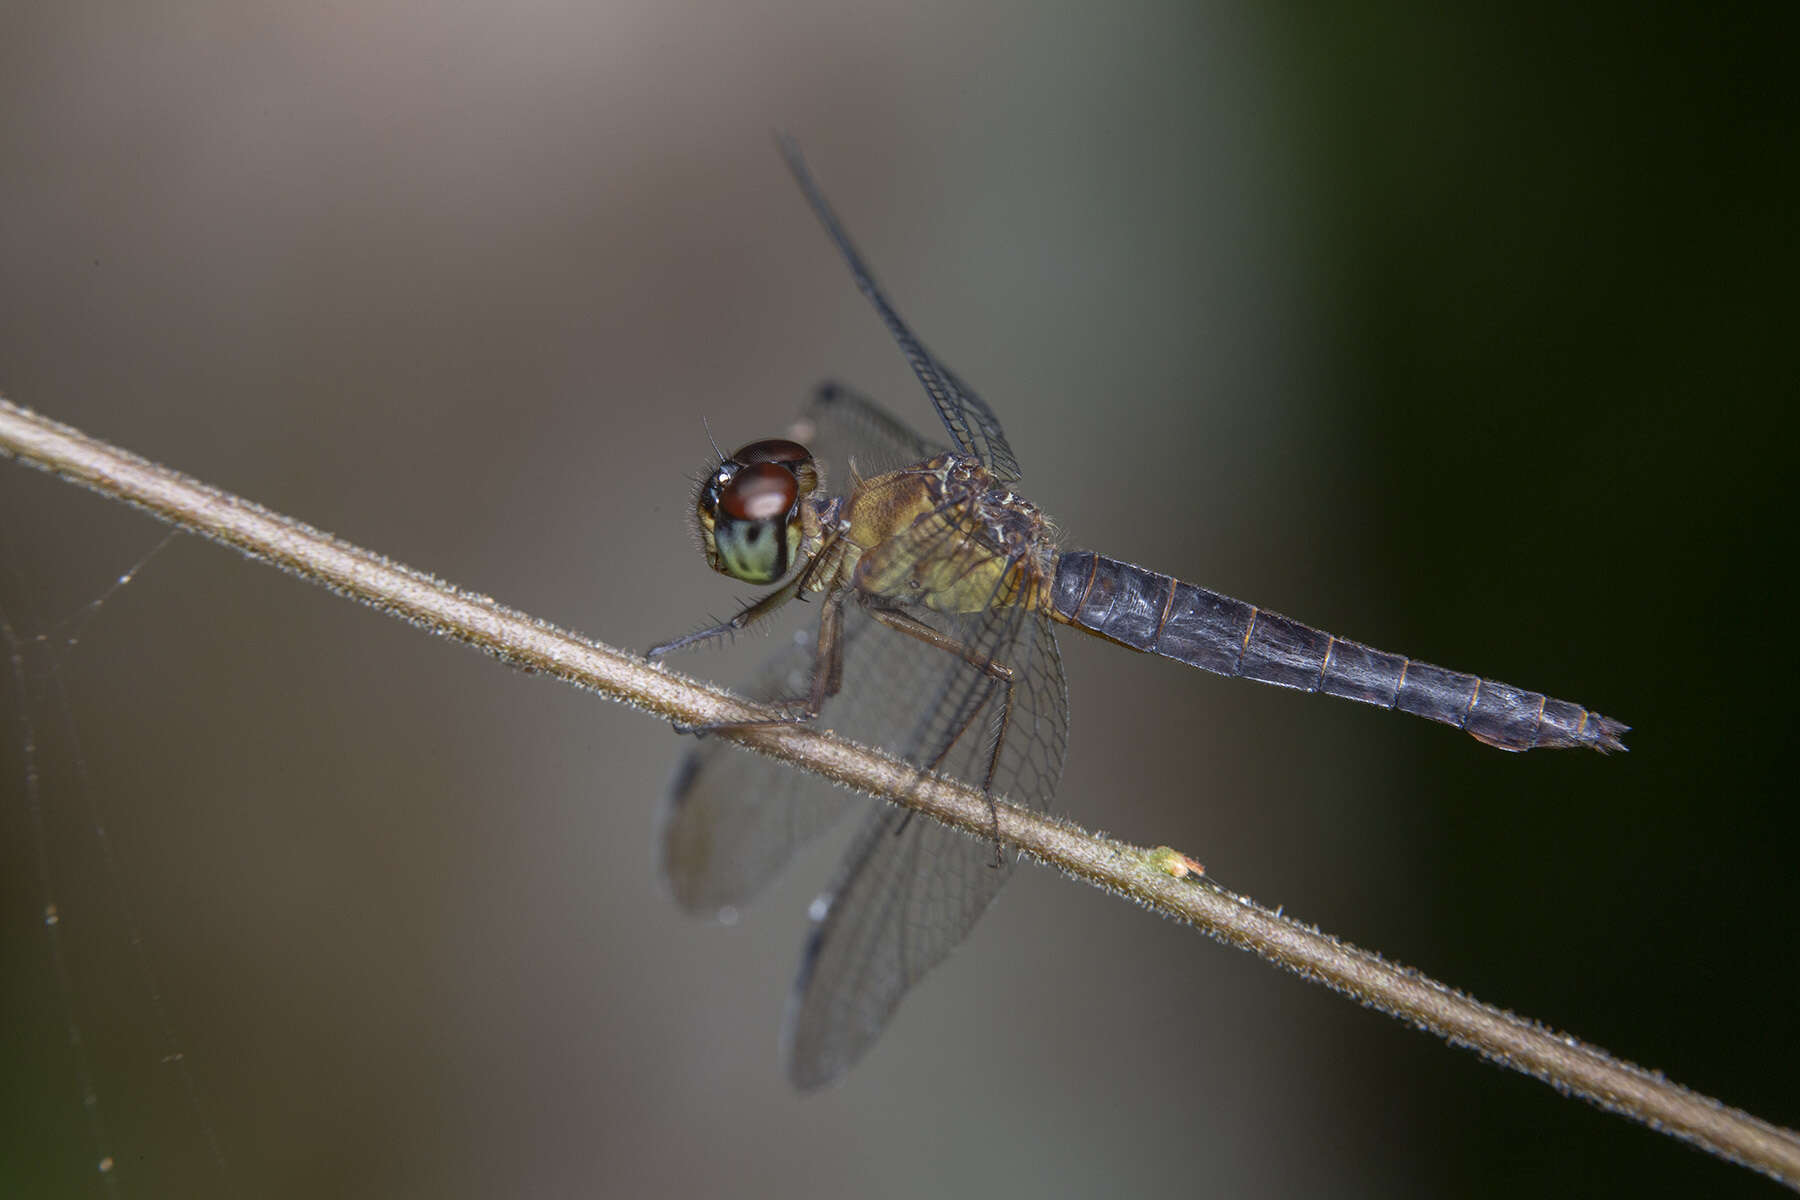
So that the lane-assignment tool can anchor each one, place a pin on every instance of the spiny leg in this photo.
(827, 678)
(911, 626)
(829, 640)
(741, 620)
(987, 783)
(744, 618)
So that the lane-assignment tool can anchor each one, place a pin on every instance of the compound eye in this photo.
(749, 521)
(792, 455)
(772, 450)
(762, 491)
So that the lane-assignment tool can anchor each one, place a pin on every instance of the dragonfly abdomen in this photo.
(1158, 614)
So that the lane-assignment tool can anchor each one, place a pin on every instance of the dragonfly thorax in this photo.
(944, 535)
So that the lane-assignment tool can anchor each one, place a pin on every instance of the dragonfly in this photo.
(939, 588)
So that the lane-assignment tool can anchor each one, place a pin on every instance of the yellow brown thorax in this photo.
(941, 534)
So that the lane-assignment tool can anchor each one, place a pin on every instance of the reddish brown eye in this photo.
(775, 450)
(760, 491)
(792, 455)
(749, 509)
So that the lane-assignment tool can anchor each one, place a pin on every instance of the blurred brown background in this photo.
(1467, 336)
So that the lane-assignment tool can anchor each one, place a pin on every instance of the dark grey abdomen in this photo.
(1157, 614)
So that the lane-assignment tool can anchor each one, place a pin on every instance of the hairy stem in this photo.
(1159, 878)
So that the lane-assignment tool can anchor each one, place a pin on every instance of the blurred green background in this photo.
(1468, 335)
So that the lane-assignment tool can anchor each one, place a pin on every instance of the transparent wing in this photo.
(971, 422)
(732, 819)
(910, 889)
(975, 427)
(843, 427)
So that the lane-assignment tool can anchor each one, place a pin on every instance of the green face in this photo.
(749, 510)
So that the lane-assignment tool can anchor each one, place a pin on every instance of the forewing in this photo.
(971, 423)
(733, 819)
(908, 892)
(910, 889)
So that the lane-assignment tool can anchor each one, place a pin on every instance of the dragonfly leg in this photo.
(828, 667)
(745, 617)
(828, 678)
(911, 626)
(987, 783)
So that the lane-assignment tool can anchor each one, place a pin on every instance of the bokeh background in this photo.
(1465, 334)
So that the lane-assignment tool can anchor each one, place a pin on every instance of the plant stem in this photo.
(1158, 879)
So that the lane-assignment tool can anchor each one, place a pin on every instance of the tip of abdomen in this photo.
(1609, 735)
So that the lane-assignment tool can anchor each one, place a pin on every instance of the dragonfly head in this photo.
(749, 510)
